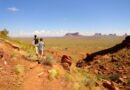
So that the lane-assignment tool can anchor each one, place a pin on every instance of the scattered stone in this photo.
(96, 71)
(124, 76)
(109, 85)
(97, 62)
(114, 59)
(122, 81)
(106, 57)
(120, 70)
(40, 74)
(99, 72)
(102, 67)
(5, 62)
(80, 64)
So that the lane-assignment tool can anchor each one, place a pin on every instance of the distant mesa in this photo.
(100, 34)
(76, 34)
(97, 34)
(112, 34)
(125, 34)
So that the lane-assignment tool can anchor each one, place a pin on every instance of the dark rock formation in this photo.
(111, 35)
(72, 34)
(66, 62)
(98, 34)
(125, 44)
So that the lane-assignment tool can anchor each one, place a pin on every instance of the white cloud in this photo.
(49, 33)
(42, 33)
(13, 9)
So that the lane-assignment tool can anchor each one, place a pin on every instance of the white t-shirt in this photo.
(40, 45)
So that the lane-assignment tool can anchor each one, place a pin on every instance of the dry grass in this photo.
(86, 43)
(79, 79)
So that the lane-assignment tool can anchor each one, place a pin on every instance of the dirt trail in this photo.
(32, 80)
(36, 76)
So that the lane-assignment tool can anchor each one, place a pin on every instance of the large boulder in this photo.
(66, 62)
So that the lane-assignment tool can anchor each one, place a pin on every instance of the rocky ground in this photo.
(19, 72)
(114, 67)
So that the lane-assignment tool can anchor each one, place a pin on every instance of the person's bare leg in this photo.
(40, 54)
(37, 53)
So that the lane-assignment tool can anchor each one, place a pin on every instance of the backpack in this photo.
(36, 41)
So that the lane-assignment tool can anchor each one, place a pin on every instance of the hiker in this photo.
(35, 43)
(41, 46)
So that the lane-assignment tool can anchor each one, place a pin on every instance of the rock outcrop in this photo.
(66, 62)
(112, 63)
(73, 34)
(124, 44)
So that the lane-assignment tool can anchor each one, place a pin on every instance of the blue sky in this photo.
(56, 17)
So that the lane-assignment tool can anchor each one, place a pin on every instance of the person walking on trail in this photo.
(35, 43)
(41, 46)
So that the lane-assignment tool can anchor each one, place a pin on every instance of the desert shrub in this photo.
(31, 56)
(87, 79)
(75, 82)
(4, 33)
(128, 82)
(80, 79)
(114, 77)
(68, 77)
(100, 77)
(49, 60)
(53, 73)
(19, 69)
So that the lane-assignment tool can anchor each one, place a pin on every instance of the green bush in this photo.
(68, 77)
(49, 60)
(114, 77)
(4, 33)
(53, 73)
(32, 57)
